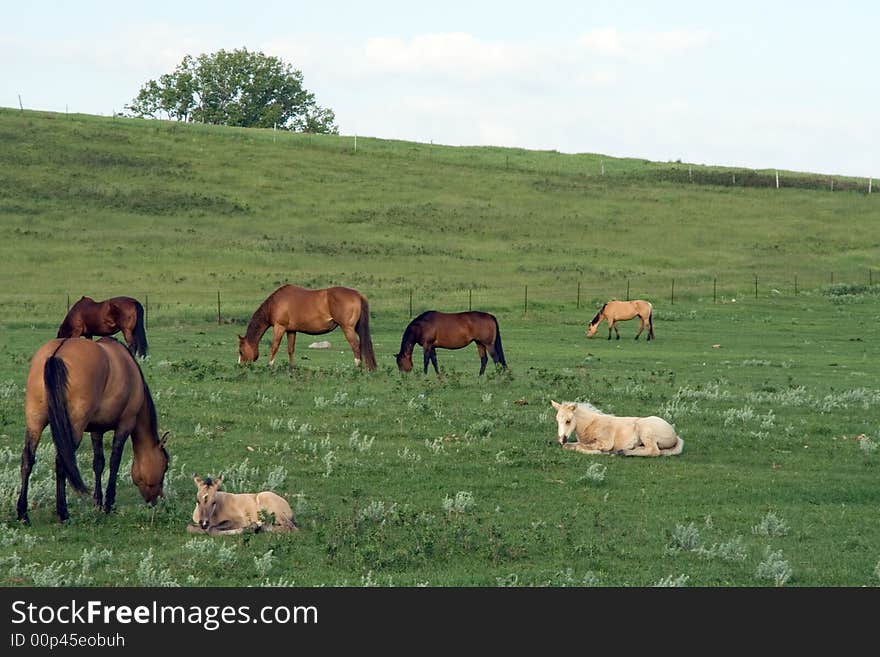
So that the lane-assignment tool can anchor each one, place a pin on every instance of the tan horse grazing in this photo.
(434, 329)
(291, 309)
(88, 317)
(618, 311)
(218, 512)
(599, 433)
(79, 385)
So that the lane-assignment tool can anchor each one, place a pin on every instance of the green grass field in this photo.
(409, 480)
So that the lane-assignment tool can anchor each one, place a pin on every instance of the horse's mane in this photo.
(409, 334)
(599, 314)
(259, 321)
(590, 408)
(151, 407)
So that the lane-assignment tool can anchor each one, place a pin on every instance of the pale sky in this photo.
(792, 85)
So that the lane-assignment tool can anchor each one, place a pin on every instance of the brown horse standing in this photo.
(88, 317)
(80, 385)
(617, 311)
(291, 309)
(434, 329)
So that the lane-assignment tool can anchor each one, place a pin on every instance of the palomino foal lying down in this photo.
(599, 433)
(217, 512)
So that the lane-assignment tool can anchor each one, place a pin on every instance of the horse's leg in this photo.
(115, 457)
(98, 465)
(583, 449)
(352, 338)
(610, 326)
(481, 349)
(60, 489)
(291, 343)
(641, 326)
(226, 527)
(434, 360)
(278, 332)
(426, 352)
(614, 325)
(647, 448)
(28, 456)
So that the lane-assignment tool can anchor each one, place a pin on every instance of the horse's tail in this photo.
(651, 323)
(140, 334)
(55, 380)
(675, 450)
(499, 350)
(363, 330)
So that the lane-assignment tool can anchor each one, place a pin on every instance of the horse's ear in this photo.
(219, 480)
(572, 406)
(197, 479)
(554, 404)
(240, 339)
(164, 439)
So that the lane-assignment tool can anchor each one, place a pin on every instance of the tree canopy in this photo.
(238, 88)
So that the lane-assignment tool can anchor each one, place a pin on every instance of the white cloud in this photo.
(453, 54)
(637, 44)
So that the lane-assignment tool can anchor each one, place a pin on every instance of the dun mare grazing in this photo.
(88, 317)
(434, 329)
(218, 512)
(80, 385)
(618, 311)
(599, 433)
(291, 309)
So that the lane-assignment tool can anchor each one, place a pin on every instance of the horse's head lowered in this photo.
(148, 472)
(404, 361)
(247, 353)
(565, 420)
(206, 498)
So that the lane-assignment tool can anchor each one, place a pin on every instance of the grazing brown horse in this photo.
(88, 317)
(291, 309)
(434, 329)
(80, 385)
(618, 311)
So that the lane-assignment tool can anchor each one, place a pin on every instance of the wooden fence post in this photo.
(526, 301)
(672, 296)
(714, 290)
(579, 295)
(218, 306)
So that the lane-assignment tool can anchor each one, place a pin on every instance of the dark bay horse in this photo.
(434, 329)
(88, 317)
(80, 385)
(617, 311)
(291, 309)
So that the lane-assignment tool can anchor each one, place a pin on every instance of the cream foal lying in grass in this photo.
(599, 433)
(217, 512)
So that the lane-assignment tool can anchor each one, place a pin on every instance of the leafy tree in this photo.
(238, 88)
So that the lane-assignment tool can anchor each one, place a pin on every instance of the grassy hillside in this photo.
(183, 211)
(410, 480)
